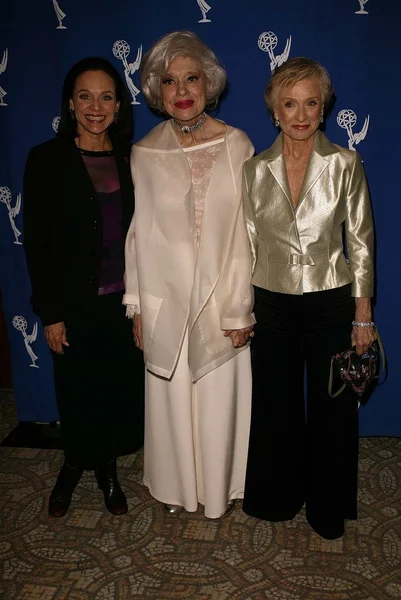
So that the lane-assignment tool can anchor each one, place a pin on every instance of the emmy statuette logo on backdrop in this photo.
(204, 8)
(121, 49)
(56, 124)
(6, 198)
(347, 119)
(362, 10)
(21, 325)
(267, 42)
(59, 14)
(3, 67)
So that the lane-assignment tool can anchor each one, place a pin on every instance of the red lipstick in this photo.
(184, 103)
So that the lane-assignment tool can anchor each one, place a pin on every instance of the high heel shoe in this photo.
(229, 509)
(61, 495)
(114, 498)
(172, 509)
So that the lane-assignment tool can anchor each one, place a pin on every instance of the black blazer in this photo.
(63, 229)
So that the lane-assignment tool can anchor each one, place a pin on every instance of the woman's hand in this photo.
(56, 337)
(362, 337)
(239, 337)
(138, 338)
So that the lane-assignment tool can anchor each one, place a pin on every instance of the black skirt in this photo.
(99, 384)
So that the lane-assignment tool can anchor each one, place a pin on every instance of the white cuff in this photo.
(131, 310)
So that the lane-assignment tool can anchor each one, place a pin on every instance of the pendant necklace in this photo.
(190, 128)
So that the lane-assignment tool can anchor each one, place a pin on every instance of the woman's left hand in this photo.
(239, 337)
(362, 338)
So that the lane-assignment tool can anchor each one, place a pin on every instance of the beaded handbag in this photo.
(358, 371)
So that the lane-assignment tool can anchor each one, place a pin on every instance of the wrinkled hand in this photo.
(362, 338)
(239, 337)
(137, 329)
(56, 337)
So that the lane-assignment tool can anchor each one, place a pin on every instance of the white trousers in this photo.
(196, 434)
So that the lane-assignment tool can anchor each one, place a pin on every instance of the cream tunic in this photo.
(181, 286)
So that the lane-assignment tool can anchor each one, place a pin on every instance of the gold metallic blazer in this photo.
(302, 250)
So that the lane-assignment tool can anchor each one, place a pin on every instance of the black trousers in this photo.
(302, 452)
(99, 384)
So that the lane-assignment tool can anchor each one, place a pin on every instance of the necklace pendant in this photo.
(190, 128)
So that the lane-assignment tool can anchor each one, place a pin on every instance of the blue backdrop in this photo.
(357, 40)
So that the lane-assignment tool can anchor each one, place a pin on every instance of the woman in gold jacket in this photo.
(302, 197)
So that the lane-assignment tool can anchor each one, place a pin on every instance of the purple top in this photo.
(104, 175)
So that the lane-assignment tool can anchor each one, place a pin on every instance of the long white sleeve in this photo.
(131, 296)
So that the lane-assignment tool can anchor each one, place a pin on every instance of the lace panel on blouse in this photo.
(201, 160)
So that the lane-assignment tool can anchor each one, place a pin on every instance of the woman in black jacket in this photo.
(78, 203)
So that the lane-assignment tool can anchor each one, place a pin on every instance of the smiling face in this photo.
(94, 103)
(299, 109)
(184, 90)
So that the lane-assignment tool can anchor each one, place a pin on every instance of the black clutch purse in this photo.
(357, 371)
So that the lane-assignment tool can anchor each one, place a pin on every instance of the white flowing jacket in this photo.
(175, 284)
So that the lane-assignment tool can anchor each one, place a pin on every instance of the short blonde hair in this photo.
(157, 60)
(294, 70)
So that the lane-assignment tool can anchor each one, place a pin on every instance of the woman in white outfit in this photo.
(188, 270)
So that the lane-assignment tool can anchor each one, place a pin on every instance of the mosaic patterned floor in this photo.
(90, 555)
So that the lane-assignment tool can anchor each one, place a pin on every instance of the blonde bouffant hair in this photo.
(157, 61)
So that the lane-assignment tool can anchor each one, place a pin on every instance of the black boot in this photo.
(114, 497)
(67, 481)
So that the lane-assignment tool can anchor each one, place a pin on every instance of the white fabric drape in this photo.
(196, 434)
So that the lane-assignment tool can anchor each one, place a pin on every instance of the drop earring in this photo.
(277, 121)
(321, 117)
